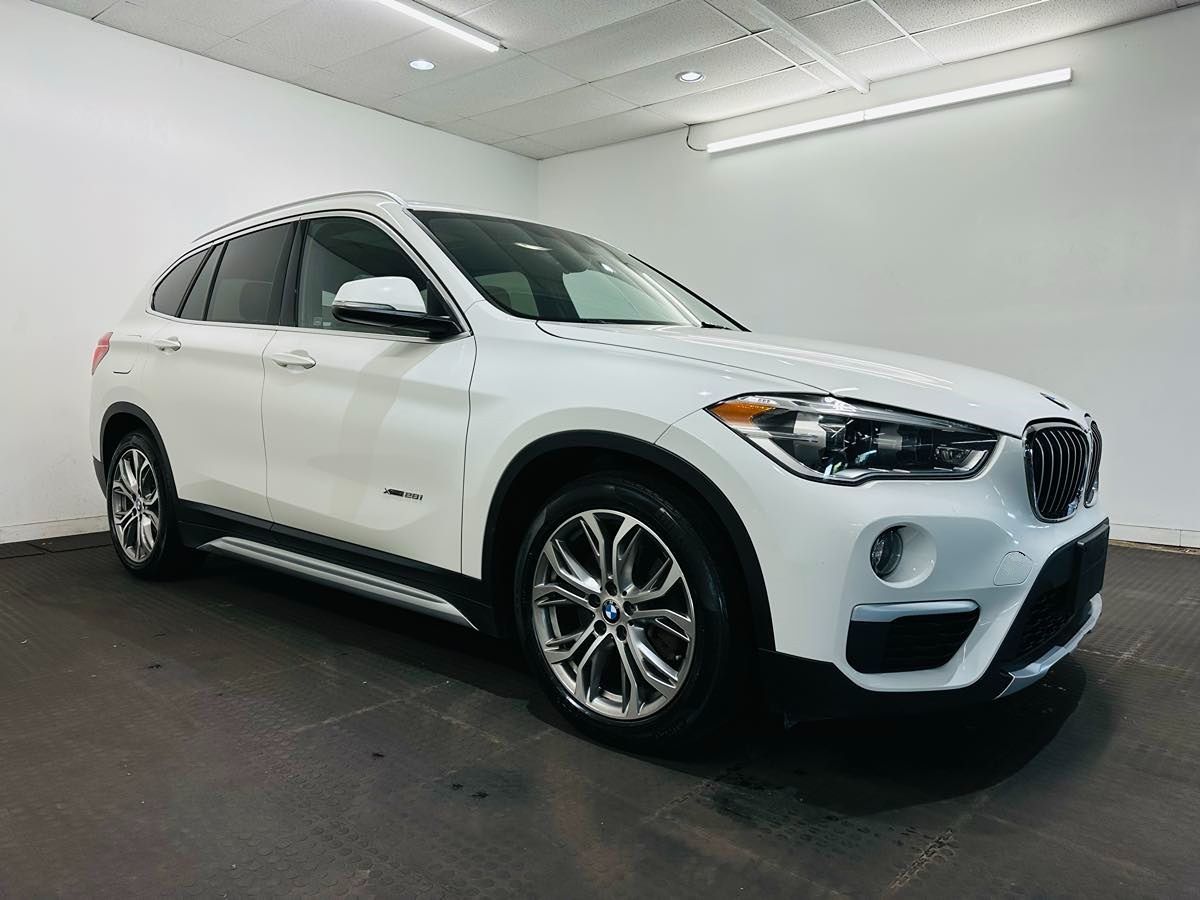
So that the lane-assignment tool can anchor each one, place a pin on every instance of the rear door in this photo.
(205, 372)
(365, 428)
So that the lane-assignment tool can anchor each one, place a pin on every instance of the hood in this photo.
(901, 380)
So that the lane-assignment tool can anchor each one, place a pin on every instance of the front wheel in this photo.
(623, 613)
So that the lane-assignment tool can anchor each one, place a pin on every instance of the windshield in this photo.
(546, 273)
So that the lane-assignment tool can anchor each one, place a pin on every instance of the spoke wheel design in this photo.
(136, 509)
(613, 614)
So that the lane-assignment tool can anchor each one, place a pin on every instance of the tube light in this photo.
(776, 134)
(436, 20)
(900, 108)
(1025, 83)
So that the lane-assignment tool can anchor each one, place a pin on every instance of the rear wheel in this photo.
(623, 613)
(141, 510)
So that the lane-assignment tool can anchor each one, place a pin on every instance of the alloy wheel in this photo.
(136, 514)
(613, 614)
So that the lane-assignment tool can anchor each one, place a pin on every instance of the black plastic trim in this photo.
(760, 608)
(200, 523)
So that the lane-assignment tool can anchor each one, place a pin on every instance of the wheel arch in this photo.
(119, 420)
(551, 461)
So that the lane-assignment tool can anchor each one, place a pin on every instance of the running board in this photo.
(318, 570)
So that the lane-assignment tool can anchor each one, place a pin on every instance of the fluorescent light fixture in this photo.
(435, 19)
(900, 108)
(1025, 83)
(776, 134)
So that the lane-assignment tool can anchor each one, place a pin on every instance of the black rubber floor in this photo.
(240, 733)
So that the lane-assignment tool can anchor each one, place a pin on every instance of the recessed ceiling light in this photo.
(421, 65)
(690, 77)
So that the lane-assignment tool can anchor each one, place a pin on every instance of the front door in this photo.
(365, 429)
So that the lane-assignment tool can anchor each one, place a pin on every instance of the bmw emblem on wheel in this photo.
(611, 611)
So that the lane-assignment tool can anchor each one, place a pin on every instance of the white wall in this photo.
(115, 152)
(1051, 236)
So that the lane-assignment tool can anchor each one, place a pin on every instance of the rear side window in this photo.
(168, 296)
(197, 298)
(249, 282)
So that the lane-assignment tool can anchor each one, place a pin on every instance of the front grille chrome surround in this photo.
(1093, 483)
(1058, 466)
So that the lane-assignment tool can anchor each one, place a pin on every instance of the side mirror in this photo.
(389, 302)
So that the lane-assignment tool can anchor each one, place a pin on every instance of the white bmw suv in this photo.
(529, 432)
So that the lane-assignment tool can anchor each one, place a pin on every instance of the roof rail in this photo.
(284, 206)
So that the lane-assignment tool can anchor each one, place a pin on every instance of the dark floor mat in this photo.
(74, 542)
(18, 548)
(239, 732)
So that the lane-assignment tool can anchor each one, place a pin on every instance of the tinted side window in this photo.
(338, 250)
(193, 306)
(250, 278)
(169, 294)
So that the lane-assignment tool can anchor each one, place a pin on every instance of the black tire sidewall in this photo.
(703, 700)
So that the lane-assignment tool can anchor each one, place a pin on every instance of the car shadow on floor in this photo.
(852, 767)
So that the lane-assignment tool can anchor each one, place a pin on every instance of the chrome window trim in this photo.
(389, 229)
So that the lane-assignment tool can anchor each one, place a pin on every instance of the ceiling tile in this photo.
(532, 24)
(157, 27)
(389, 65)
(531, 148)
(781, 43)
(324, 32)
(520, 79)
(247, 56)
(326, 82)
(794, 9)
(819, 72)
(477, 131)
(789, 86)
(623, 126)
(454, 7)
(558, 110)
(669, 31)
(919, 15)
(898, 57)
(1032, 25)
(407, 108)
(736, 61)
(848, 27)
(228, 17)
(89, 8)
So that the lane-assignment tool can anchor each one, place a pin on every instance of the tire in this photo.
(141, 492)
(559, 604)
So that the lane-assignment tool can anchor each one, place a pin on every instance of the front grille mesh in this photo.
(1058, 462)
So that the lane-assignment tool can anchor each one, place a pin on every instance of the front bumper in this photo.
(810, 689)
(1070, 581)
(979, 547)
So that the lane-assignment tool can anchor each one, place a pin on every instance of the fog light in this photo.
(886, 552)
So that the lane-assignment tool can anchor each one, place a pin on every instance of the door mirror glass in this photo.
(390, 301)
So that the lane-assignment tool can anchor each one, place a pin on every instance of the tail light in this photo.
(101, 350)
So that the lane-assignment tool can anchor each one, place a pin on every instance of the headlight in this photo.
(834, 441)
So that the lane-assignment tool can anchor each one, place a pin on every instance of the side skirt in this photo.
(450, 596)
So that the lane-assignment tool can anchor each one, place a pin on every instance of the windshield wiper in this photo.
(714, 325)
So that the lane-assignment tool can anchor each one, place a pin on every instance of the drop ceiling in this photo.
(576, 74)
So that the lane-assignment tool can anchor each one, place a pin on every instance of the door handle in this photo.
(297, 358)
(167, 344)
